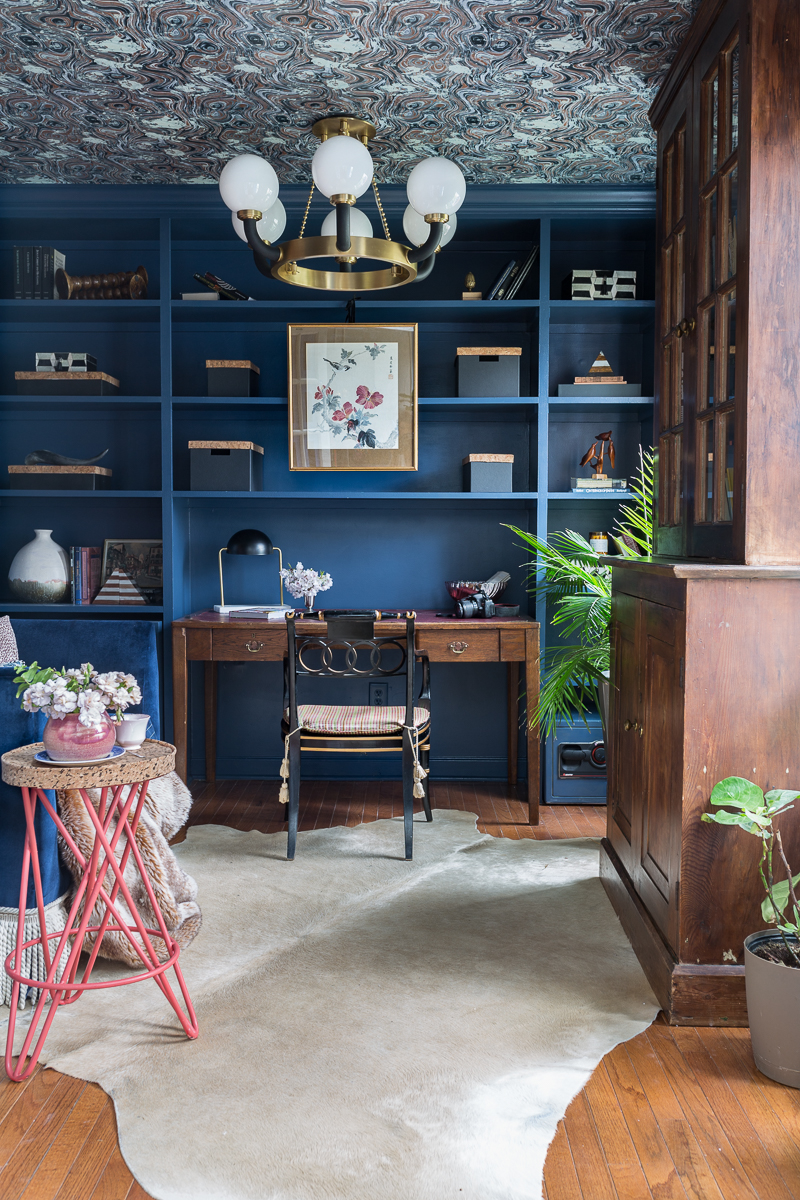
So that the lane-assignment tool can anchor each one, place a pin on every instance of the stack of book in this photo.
(508, 283)
(35, 272)
(84, 573)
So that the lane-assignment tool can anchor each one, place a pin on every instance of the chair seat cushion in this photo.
(355, 718)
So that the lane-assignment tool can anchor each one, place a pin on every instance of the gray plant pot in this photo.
(773, 1009)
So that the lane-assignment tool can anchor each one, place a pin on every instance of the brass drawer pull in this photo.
(458, 647)
(253, 646)
(630, 725)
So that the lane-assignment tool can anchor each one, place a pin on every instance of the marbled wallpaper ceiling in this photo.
(165, 91)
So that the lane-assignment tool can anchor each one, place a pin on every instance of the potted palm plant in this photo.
(567, 571)
(771, 956)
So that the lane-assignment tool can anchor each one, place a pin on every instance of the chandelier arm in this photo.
(265, 256)
(421, 253)
(425, 268)
(343, 228)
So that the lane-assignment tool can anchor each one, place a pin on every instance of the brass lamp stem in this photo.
(280, 568)
(221, 589)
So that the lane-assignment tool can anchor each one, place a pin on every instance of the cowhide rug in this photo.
(370, 1028)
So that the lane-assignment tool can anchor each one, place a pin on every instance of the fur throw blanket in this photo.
(165, 810)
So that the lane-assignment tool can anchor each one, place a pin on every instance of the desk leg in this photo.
(531, 698)
(512, 698)
(180, 699)
(211, 721)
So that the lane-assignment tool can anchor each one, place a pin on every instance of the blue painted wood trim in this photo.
(520, 200)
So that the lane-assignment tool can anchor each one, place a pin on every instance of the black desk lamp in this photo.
(246, 541)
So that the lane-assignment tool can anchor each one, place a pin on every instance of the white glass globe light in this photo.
(417, 229)
(248, 181)
(342, 166)
(360, 224)
(436, 185)
(269, 228)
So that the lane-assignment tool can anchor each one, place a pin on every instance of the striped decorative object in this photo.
(355, 718)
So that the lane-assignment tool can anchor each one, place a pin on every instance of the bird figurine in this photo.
(51, 459)
(601, 446)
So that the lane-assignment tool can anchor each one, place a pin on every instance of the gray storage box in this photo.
(226, 467)
(232, 377)
(72, 479)
(488, 472)
(488, 370)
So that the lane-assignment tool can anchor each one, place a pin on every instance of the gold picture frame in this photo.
(353, 397)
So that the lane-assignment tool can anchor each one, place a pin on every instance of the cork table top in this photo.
(150, 761)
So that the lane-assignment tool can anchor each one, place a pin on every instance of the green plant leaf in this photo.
(780, 894)
(778, 800)
(749, 822)
(737, 792)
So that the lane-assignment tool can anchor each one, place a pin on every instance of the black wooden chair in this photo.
(351, 649)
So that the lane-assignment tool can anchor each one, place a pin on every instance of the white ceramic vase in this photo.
(39, 573)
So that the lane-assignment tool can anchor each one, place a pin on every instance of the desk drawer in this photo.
(241, 645)
(473, 645)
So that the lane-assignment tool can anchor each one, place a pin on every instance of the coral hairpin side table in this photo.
(122, 784)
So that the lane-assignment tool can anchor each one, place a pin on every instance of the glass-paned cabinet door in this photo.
(716, 288)
(673, 328)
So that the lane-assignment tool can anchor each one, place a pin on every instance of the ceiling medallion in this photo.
(342, 170)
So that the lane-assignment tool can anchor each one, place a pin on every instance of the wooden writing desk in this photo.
(210, 638)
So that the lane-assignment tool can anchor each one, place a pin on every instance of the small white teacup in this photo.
(132, 730)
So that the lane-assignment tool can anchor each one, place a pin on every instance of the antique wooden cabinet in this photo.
(728, 297)
(704, 663)
(705, 636)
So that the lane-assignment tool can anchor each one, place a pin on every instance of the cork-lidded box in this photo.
(488, 472)
(488, 370)
(232, 377)
(226, 467)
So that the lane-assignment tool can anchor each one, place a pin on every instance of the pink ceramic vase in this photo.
(68, 740)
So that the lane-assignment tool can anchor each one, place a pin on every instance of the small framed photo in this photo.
(141, 560)
(352, 397)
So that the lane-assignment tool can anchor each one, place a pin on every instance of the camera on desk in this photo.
(476, 605)
(477, 598)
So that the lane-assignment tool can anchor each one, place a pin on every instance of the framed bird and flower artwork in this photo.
(352, 397)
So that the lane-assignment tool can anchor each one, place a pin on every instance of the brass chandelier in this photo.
(342, 170)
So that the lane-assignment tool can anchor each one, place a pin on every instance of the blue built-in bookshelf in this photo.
(388, 539)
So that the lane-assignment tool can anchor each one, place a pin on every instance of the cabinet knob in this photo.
(253, 646)
(458, 647)
(641, 731)
(687, 326)
(630, 725)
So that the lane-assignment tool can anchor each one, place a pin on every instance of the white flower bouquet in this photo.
(305, 582)
(80, 690)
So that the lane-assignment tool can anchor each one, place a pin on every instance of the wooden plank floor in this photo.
(674, 1114)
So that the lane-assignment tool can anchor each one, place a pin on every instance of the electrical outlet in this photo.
(379, 695)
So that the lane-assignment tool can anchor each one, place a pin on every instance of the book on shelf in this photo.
(598, 484)
(502, 280)
(516, 283)
(225, 290)
(84, 573)
(35, 272)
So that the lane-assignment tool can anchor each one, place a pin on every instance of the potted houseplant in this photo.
(76, 702)
(771, 956)
(567, 571)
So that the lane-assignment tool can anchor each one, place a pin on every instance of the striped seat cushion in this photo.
(355, 718)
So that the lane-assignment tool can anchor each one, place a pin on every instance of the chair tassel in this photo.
(419, 771)
(283, 797)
